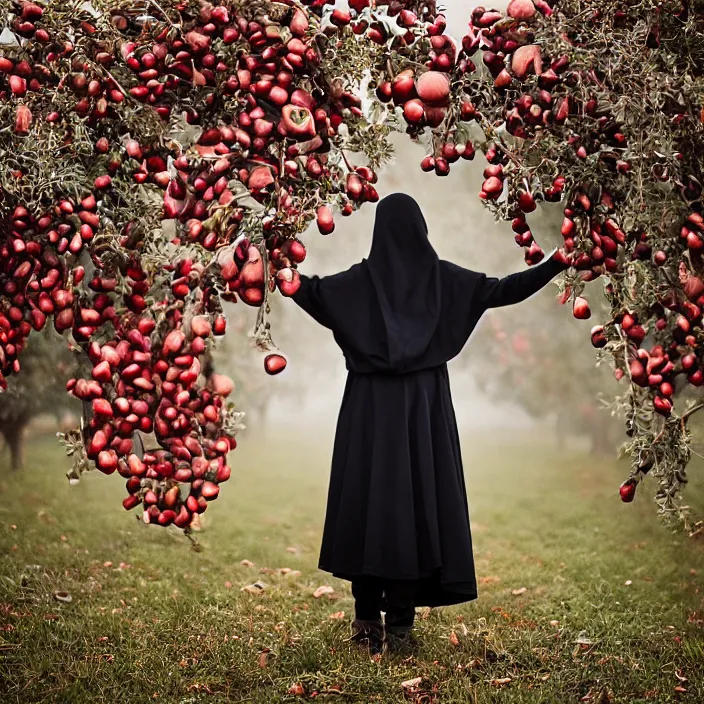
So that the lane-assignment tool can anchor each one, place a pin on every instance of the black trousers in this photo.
(397, 598)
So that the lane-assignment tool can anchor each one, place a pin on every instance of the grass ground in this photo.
(582, 599)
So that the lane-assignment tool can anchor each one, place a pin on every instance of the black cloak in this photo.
(397, 504)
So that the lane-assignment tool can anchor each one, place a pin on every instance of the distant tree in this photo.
(47, 363)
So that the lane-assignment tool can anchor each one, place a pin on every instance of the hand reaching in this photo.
(565, 258)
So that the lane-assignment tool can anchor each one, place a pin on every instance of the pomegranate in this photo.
(433, 88)
(325, 220)
(627, 491)
(581, 309)
(521, 9)
(274, 364)
(525, 58)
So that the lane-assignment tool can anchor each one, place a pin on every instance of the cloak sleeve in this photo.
(310, 298)
(494, 292)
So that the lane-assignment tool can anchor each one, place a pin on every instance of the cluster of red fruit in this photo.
(33, 275)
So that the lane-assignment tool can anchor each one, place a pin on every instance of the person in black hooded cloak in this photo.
(397, 522)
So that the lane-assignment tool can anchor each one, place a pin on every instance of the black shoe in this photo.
(368, 634)
(400, 639)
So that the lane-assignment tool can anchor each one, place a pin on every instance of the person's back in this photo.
(397, 523)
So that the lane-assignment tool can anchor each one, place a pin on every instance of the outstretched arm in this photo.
(310, 298)
(517, 287)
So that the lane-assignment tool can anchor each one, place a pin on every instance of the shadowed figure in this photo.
(397, 523)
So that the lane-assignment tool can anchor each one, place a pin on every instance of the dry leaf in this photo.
(412, 684)
(454, 639)
(292, 550)
(256, 588)
(680, 689)
(554, 623)
(107, 564)
(518, 592)
(263, 657)
(65, 597)
(246, 563)
(296, 689)
(501, 681)
(337, 615)
(628, 582)
(294, 573)
(323, 591)
(266, 570)
(285, 570)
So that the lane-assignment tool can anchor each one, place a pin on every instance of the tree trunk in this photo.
(14, 434)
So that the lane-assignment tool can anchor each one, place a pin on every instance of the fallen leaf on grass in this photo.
(228, 584)
(518, 592)
(64, 597)
(256, 588)
(454, 639)
(246, 563)
(197, 686)
(680, 689)
(491, 579)
(554, 623)
(337, 615)
(107, 563)
(293, 573)
(266, 570)
(296, 689)
(500, 682)
(285, 570)
(292, 550)
(412, 684)
(323, 591)
(628, 582)
(263, 658)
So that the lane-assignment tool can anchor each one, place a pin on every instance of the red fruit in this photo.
(252, 274)
(102, 407)
(403, 87)
(299, 23)
(526, 202)
(174, 341)
(107, 461)
(581, 309)
(433, 88)
(222, 385)
(220, 325)
(428, 164)
(274, 364)
(493, 187)
(627, 491)
(209, 490)
(200, 326)
(103, 182)
(260, 178)
(296, 251)
(18, 85)
(598, 336)
(663, 406)
(525, 58)
(325, 220)
(23, 119)
(130, 502)
(521, 9)
(413, 111)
